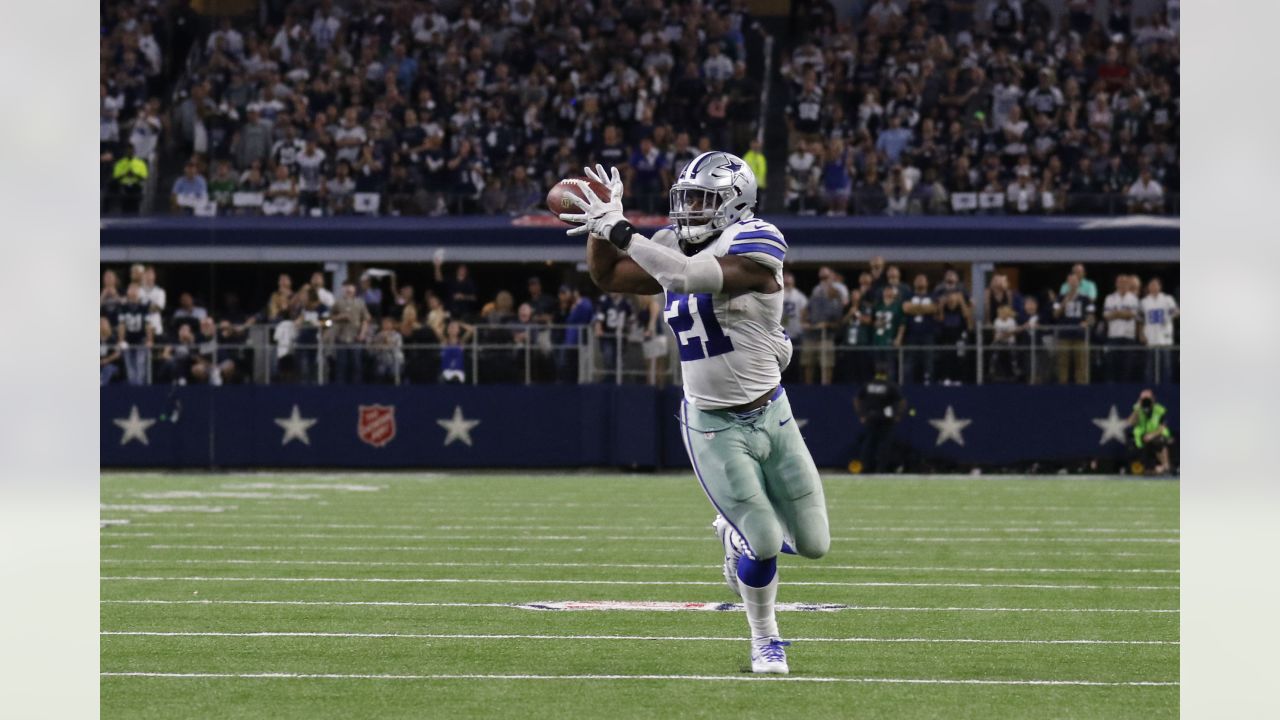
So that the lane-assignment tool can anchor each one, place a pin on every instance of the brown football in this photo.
(557, 202)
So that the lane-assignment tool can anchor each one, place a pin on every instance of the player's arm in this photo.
(649, 267)
(612, 271)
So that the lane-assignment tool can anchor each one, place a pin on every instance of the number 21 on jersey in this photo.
(693, 321)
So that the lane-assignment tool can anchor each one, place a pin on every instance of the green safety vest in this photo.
(758, 165)
(1148, 423)
(129, 170)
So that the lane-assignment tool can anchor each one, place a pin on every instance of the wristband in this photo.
(620, 234)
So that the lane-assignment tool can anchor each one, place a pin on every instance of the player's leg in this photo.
(731, 477)
(723, 459)
(793, 484)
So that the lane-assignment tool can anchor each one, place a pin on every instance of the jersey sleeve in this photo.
(762, 243)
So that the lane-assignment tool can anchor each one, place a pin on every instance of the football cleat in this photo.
(768, 656)
(734, 548)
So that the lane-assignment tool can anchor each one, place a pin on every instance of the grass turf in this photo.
(917, 560)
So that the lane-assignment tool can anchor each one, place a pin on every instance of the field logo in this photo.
(377, 425)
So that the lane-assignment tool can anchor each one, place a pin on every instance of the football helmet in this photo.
(715, 190)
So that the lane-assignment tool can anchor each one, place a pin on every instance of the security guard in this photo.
(1150, 433)
(129, 175)
(879, 405)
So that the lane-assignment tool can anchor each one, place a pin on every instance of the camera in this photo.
(1147, 403)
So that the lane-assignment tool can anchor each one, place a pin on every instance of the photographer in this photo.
(879, 405)
(1150, 433)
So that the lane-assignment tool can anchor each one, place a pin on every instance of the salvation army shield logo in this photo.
(377, 424)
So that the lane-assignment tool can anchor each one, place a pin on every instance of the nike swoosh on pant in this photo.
(784, 422)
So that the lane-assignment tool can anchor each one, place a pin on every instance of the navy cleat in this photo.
(768, 656)
(734, 548)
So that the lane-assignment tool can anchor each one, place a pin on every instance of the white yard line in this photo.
(526, 548)
(394, 603)
(682, 566)
(661, 583)
(648, 538)
(1013, 529)
(672, 638)
(697, 678)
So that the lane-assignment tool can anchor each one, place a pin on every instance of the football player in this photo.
(721, 271)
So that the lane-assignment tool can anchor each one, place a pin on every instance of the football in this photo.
(558, 201)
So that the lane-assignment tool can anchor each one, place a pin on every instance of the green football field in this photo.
(457, 595)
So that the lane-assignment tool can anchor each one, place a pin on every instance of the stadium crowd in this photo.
(926, 106)
(936, 107)
(375, 329)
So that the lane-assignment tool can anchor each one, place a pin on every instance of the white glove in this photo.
(598, 216)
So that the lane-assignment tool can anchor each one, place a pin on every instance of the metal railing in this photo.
(856, 202)
(537, 353)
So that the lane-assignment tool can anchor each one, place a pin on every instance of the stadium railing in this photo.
(541, 354)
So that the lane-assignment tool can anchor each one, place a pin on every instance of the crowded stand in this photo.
(410, 108)
(920, 324)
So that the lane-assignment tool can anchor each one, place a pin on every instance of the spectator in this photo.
(894, 140)
(543, 305)
(998, 295)
(1030, 339)
(523, 195)
(189, 190)
(222, 186)
(922, 315)
(1004, 365)
(613, 311)
(323, 293)
(109, 299)
(575, 313)
(154, 297)
(310, 163)
(1159, 310)
(1074, 316)
(1145, 194)
(136, 336)
(108, 352)
(282, 193)
(350, 327)
(252, 142)
(820, 318)
(953, 331)
(1121, 310)
(339, 189)
(1087, 287)
(803, 174)
(646, 169)
(453, 365)
(461, 296)
(888, 328)
(188, 312)
(388, 352)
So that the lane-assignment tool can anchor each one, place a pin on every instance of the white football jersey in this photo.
(732, 347)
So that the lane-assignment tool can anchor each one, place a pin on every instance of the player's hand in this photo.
(598, 216)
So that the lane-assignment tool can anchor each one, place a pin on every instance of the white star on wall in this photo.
(295, 427)
(457, 427)
(949, 427)
(1113, 427)
(134, 427)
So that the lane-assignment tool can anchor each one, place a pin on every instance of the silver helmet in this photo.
(713, 191)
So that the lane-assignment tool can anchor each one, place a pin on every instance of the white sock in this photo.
(759, 604)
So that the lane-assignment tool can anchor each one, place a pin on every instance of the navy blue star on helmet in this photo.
(733, 166)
